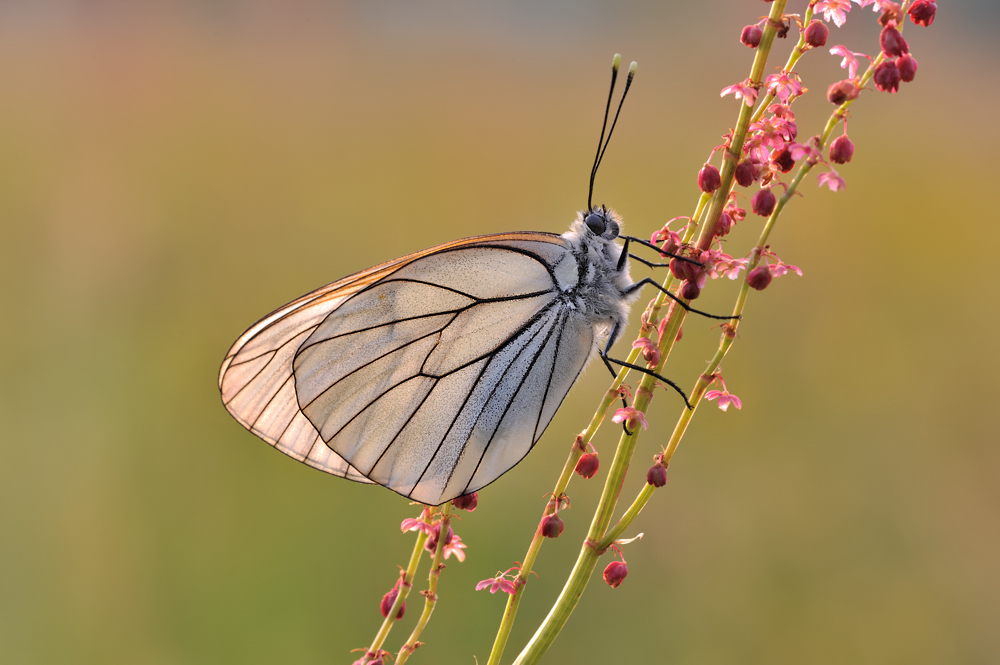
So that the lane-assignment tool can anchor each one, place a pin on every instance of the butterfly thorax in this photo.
(597, 287)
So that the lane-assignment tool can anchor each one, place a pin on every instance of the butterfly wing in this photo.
(431, 375)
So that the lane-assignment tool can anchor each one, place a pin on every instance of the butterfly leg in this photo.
(607, 360)
(643, 282)
(645, 243)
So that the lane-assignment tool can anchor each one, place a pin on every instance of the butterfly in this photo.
(436, 373)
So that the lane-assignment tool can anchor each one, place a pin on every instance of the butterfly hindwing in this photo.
(432, 374)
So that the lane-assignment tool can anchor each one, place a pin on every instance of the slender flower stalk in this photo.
(430, 595)
(591, 550)
(406, 583)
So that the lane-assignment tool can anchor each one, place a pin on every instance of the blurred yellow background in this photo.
(173, 171)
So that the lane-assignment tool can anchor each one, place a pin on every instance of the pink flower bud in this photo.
(759, 278)
(467, 502)
(552, 525)
(387, 601)
(763, 202)
(783, 160)
(922, 12)
(690, 290)
(657, 475)
(892, 42)
(887, 76)
(841, 150)
(816, 33)
(751, 36)
(615, 573)
(684, 269)
(709, 179)
(724, 225)
(907, 66)
(744, 173)
(588, 465)
(842, 91)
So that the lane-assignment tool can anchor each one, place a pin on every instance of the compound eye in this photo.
(595, 222)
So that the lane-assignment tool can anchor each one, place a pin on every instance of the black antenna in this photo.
(602, 145)
(628, 84)
(600, 142)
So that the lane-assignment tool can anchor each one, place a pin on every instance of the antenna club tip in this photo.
(632, 68)
(616, 62)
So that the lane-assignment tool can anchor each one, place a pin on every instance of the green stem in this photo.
(797, 52)
(590, 551)
(430, 595)
(404, 591)
(729, 331)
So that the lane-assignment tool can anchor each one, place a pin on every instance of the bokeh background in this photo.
(169, 172)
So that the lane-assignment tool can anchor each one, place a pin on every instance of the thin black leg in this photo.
(646, 243)
(643, 282)
(645, 370)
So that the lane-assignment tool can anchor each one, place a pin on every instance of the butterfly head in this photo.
(602, 222)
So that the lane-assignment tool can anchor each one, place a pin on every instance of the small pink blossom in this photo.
(630, 415)
(805, 151)
(410, 524)
(499, 583)
(725, 399)
(835, 10)
(650, 352)
(850, 59)
(783, 86)
(455, 546)
(878, 4)
(773, 132)
(755, 149)
(780, 269)
(742, 91)
(718, 264)
(832, 180)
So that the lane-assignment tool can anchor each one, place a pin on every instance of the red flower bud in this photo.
(387, 601)
(783, 160)
(842, 91)
(922, 12)
(657, 475)
(744, 173)
(709, 179)
(816, 33)
(892, 42)
(684, 269)
(467, 502)
(759, 278)
(588, 465)
(891, 13)
(907, 66)
(763, 202)
(615, 573)
(841, 150)
(552, 525)
(887, 76)
(751, 35)
(690, 290)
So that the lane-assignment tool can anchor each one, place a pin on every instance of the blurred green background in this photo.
(173, 171)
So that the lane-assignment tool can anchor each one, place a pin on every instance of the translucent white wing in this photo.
(309, 377)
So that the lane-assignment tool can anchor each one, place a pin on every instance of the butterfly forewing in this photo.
(432, 375)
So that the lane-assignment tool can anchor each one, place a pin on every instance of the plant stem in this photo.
(430, 595)
(797, 52)
(591, 548)
(404, 591)
(729, 331)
